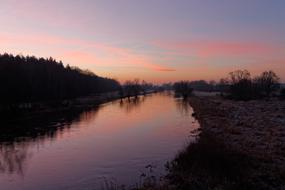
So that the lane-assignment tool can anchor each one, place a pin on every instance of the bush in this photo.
(267, 83)
(183, 88)
(242, 90)
(241, 87)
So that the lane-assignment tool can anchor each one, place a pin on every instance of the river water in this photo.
(117, 143)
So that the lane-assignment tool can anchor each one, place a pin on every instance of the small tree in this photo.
(145, 86)
(132, 88)
(183, 88)
(136, 87)
(127, 88)
(267, 83)
(240, 85)
(239, 75)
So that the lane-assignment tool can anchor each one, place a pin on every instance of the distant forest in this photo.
(27, 79)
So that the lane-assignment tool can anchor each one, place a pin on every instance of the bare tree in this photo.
(183, 88)
(239, 75)
(240, 85)
(267, 82)
(136, 87)
(132, 88)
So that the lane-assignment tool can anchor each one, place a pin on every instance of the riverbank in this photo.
(241, 146)
(31, 110)
(39, 109)
(46, 118)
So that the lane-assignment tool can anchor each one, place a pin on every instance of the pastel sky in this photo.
(155, 40)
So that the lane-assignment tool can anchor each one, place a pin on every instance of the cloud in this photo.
(213, 59)
(165, 69)
(77, 51)
(207, 49)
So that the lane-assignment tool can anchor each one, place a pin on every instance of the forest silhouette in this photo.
(28, 79)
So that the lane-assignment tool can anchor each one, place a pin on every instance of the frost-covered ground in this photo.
(253, 128)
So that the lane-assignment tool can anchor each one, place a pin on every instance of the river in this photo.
(117, 143)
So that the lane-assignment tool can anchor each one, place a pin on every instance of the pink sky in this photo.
(157, 41)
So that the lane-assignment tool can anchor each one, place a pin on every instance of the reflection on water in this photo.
(183, 107)
(131, 104)
(114, 142)
(17, 137)
(13, 158)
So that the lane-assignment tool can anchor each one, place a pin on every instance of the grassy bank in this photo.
(241, 146)
(209, 164)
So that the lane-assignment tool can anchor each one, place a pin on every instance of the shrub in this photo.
(183, 88)
(267, 83)
(241, 87)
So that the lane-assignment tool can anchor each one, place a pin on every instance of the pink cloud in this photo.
(164, 69)
(114, 56)
(208, 49)
(234, 49)
(213, 59)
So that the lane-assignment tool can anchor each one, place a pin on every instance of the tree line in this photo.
(185, 88)
(238, 85)
(30, 79)
(134, 88)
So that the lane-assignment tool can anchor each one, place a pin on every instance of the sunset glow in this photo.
(158, 41)
(142, 94)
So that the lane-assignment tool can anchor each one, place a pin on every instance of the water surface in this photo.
(114, 142)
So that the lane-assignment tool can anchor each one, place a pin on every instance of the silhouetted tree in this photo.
(132, 88)
(240, 85)
(127, 87)
(167, 86)
(201, 85)
(267, 83)
(136, 87)
(183, 88)
(144, 87)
